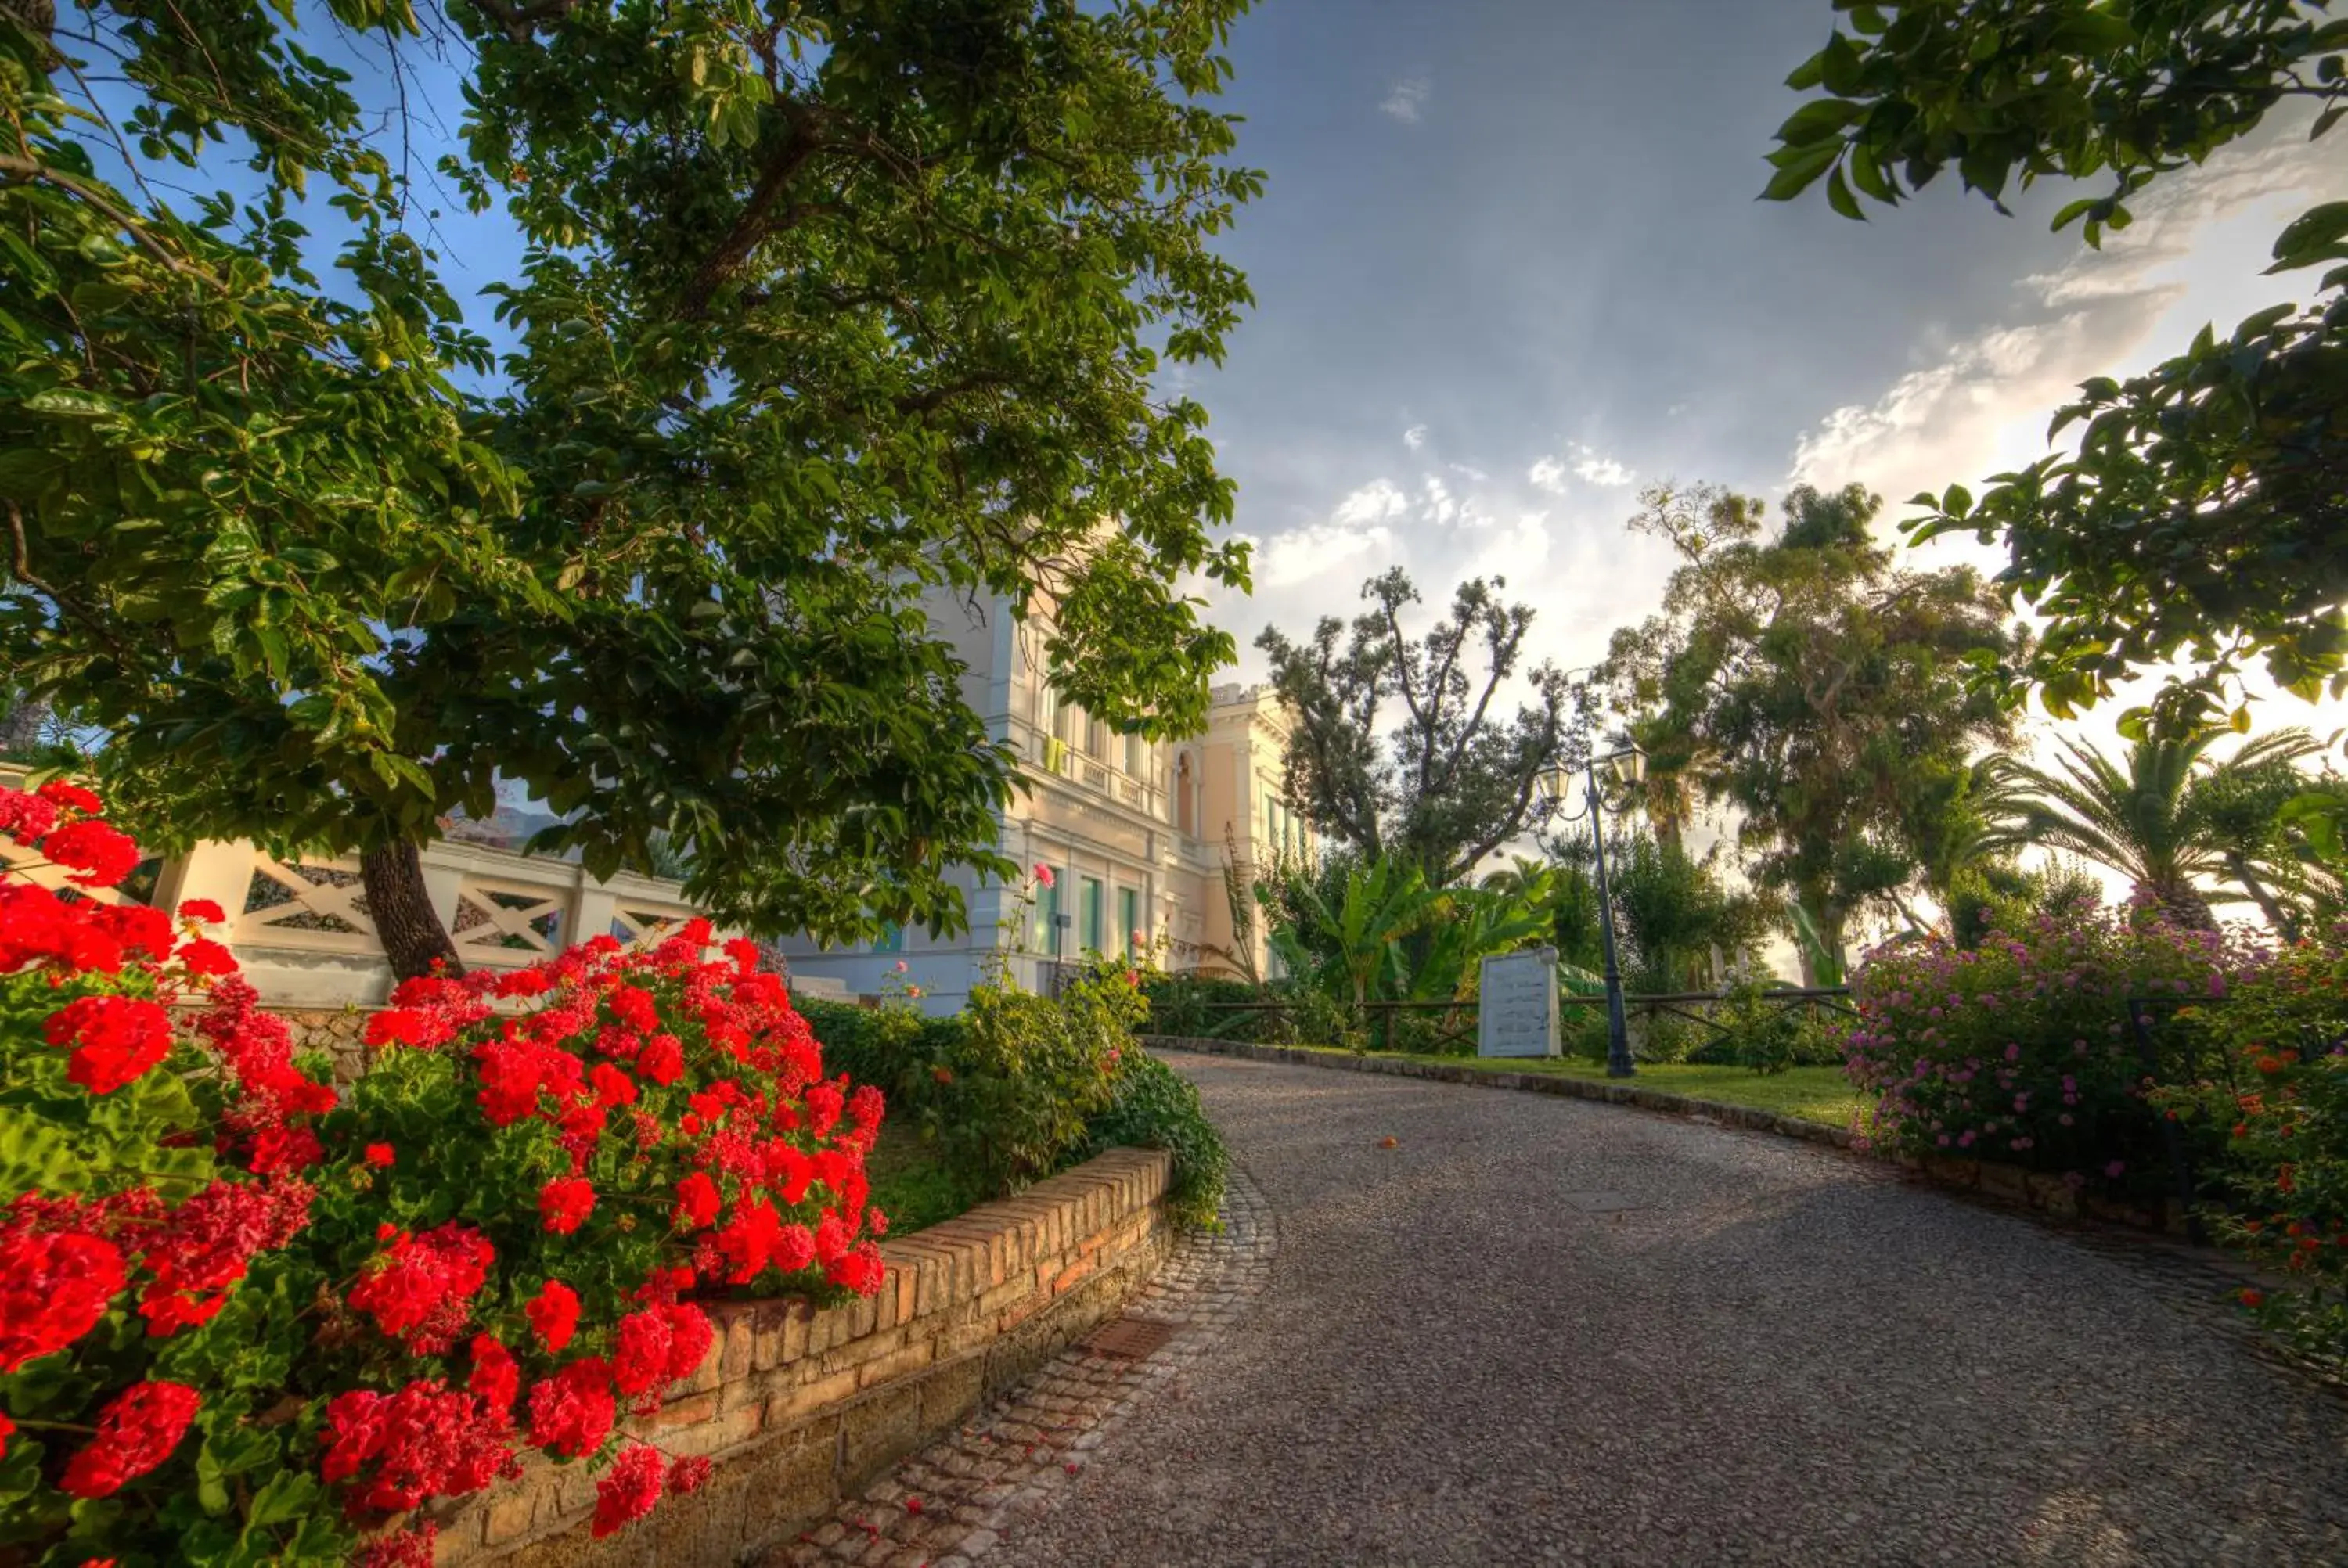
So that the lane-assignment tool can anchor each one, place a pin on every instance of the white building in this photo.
(1136, 833)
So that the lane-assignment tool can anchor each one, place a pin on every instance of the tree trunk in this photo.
(21, 729)
(404, 921)
(2181, 904)
(2286, 926)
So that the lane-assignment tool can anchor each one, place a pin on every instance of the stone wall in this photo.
(802, 1407)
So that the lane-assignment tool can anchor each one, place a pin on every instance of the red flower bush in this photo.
(114, 1039)
(54, 1288)
(245, 1252)
(563, 1206)
(135, 1433)
(629, 1492)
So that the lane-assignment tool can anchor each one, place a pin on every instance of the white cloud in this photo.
(1547, 474)
(1414, 437)
(1599, 470)
(1379, 501)
(1402, 99)
(1318, 554)
(2193, 255)
(1476, 475)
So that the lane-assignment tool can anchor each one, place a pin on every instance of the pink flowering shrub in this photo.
(2275, 1084)
(242, 1322)
(2020, 1050)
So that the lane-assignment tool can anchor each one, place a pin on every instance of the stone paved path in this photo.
(958, 1501)
(1546, 1330)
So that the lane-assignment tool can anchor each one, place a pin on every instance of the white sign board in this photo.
(1517, 1006)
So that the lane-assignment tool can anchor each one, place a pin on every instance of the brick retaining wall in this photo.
(800, 1407)
(2006, 1183)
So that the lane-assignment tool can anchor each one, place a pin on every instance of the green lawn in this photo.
(1813, 1094)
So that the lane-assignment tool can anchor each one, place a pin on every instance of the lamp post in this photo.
(1627, 766)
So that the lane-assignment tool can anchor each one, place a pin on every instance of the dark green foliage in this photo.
(1017, 1087)
(2202, 517)
(1156, 1107)
(825, 305)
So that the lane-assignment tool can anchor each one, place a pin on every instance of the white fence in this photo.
(301, 931)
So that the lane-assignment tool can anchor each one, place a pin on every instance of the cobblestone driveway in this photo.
(1543, 1330)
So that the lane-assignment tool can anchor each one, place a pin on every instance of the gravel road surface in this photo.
(1542, 1330)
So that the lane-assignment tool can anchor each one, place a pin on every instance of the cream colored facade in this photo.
(1136, 833)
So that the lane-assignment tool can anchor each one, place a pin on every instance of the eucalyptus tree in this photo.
(1458, 775)
(823, 305)
(1806, 680)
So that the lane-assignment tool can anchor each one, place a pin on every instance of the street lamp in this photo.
(1627, 766)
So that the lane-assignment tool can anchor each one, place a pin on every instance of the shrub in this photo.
(1155, 1107)
(1197, 1005)
(1004, 1087)
(239, 1324)
(2020, 1050)
(2278, 1086)
(1765, 1036)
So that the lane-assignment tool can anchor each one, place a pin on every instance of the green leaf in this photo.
(2312, 236)
(1818, 121)
(1801, 172)
(1840, 197)
(290, 1495)
(64, 402)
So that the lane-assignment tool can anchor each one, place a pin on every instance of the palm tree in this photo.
(2167, 815)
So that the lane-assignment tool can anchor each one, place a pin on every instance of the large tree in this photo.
(2205, 513)
(824, 305)
(1458, 774)
(1813, 684)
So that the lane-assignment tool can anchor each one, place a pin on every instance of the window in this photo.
(892, 939)
(1092, 914)
(1043, 936)
(1128, 915)
(1134, 760)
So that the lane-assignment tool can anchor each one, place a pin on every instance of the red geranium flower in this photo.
(203, 957)
(628, 1490)
(53, 1290)
(379, 1156)
(662, 1059)
(202, 909)
(104, 855)
(419, 1290)
(563, 1206)
(688, 1474)
(135, 1433)
(697, 1201)
(572, 1412)
(114, 1039)
(640, 1352)
(57, 791)
(553, 1314)
(496, 1377)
